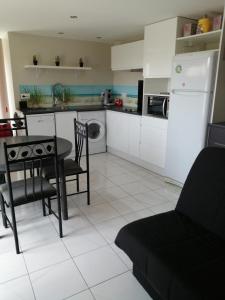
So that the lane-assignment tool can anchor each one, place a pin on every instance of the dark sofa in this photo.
(180, 254)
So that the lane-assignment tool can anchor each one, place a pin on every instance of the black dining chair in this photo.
(73, 167)
(9, 126)
(29, 156)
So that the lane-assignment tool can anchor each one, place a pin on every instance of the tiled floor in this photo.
(85, 264)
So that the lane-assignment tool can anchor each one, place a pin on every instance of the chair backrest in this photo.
(10, 125)
(81, 142)
(28, 156)
(203, 196)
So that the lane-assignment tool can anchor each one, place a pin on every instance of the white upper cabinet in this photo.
(159, 48)
(127, 56)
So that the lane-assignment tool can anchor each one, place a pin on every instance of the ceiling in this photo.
(113, 20)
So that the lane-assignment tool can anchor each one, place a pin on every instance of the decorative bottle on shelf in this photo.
(57, 61)
(81, 63)
(35, 61)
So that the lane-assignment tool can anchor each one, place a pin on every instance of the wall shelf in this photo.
(208, 37)
(36, 67)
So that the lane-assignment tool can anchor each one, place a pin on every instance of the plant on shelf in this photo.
(36, 97)
(57, 61)
(67, 95)
(35, 60)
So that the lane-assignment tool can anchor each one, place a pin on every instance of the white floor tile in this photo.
(123, 287)
(123, 256)
(144, 213)
(44, 256)
(95, 199)
(150, 199)
(134, 188)
(127, 205)
(99, 213)
(57, 282)
(86, 295)
(109, 229)
(157, 209)
(12, 265)
(39, 233)
(123, 178)
(18, 289)
(113, 193)
(84, 240)
(99, 265)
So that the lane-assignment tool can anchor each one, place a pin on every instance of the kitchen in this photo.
(56, 78)
(117, 69)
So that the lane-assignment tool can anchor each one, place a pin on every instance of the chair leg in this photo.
(15, 230)
(60, 218)
(78, 183)
(4, 220)
(43, 207)
(49, 206)
(88, 189)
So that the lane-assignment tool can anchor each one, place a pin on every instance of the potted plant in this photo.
(35, 61)
(36, 97)
(57, 61)
(81, 63)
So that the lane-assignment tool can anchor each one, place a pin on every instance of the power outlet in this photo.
(25, 96)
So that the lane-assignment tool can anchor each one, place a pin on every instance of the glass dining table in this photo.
(64, 148)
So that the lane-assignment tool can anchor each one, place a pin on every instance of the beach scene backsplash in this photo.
(80, 95)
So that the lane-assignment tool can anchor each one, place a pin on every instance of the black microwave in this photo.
(158, 105)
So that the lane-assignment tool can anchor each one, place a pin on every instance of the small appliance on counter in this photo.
(106, 97)
(158, 105)
(118, 102)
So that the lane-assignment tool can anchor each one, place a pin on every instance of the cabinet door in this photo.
(159, 48)
(65, 125)
(134, 135)
(153, 141)
(127, 56)
(41, 124)
(117, 131)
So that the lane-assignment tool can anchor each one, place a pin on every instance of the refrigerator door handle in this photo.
(181, 92)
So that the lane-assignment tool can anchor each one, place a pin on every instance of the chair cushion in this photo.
(70, 168)
(203, 195)
(180, 259)
(18, 189)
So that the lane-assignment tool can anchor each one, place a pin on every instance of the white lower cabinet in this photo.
(153, 141)
(65, 126)
(117, 131)
(41, 124)
(143, 138)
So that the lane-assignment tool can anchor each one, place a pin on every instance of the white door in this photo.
(118, 131)
(153, 141)
(41, 124)
(65, 126)
(187, 124)
(194, 71)
(134, 135)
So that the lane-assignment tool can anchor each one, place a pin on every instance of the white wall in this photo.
(24, 46)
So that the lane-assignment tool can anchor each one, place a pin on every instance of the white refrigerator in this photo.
(192, 87)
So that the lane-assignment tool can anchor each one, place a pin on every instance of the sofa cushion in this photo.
(203, 195)
(176, 255)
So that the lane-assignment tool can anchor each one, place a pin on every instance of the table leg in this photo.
(63, 190)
